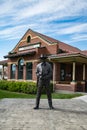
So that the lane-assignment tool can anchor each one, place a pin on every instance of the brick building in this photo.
(69, 63)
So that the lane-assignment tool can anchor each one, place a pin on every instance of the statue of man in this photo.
(44, 74)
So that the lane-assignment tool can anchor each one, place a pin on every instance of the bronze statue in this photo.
(44, 74)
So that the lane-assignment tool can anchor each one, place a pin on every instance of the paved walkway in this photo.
(18, 114)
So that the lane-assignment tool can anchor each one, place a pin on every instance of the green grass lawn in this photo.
(7, 94)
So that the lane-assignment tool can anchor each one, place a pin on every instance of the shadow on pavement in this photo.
(64, 110)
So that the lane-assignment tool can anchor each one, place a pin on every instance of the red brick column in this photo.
(34, 77)
(24, 72)
(16, 73)
(9, 71)
(83, 85)
(73, 86)
(2, 71)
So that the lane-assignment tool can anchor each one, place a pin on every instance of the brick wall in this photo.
(34, 71)
(52, 49)
(9, 68)
(67, 87)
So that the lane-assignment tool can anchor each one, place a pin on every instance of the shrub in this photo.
(14, 86)
(31, 88)
(3, 85)
(24, 87)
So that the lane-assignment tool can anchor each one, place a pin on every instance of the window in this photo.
(60, 51)
(62, 72)
(28, 39)
(29, 71)
(20, 68)
(13, 71)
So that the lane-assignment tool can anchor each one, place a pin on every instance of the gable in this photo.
(41, 40)
(35, 40)
(24, 40)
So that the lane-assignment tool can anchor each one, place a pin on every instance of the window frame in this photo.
(29, 39)
(13, 71)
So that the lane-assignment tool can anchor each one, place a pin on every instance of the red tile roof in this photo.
(46, 38)
(84, 52)
(70, 54)
(62, 46)
(67, 48)
(3, 62)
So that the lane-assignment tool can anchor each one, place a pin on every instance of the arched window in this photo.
(13, 71)
(28, 39)
(20, 68)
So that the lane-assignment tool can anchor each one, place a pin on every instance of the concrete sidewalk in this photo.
(18, 114)
(83, 98)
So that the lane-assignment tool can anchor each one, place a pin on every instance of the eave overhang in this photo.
(69, 57)
(20, 54)
(4, 62)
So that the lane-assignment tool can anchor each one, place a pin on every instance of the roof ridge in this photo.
(20, 39)
(50, 40)
(43, 36)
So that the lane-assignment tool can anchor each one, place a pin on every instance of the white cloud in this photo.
(50, 10)
(16, 16)
(79, 37)
(5, 7)
(21, 9)
(73, 29)
(46, 16)
(12, 32)
(15, 32)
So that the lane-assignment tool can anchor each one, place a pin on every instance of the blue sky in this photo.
(64, 20)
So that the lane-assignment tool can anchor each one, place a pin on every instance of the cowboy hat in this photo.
(43, 56)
